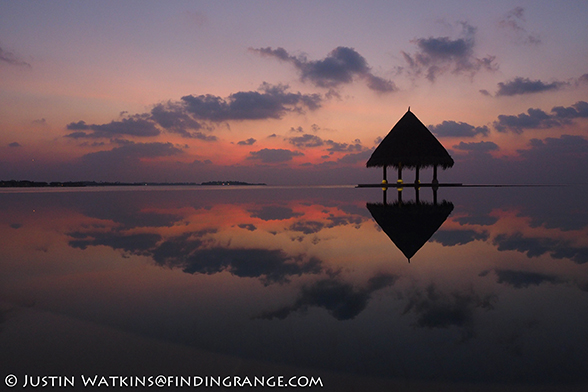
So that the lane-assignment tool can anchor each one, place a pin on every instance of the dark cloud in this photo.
(342, 300)
(523, 279)
(268, 213)
(520, 86)
(247, 142)
(534, 247)
(513, 21)
(538, 119)
(191, 117)
(458, 129)
(477, 146)
(11, 59)
(437, 55)
(457, 237)
(341, 66)
(128, 153)
(306, 141)
(354, 158)
(436, 309)
(174, 118)
(274, 155)
(570, 145)
(270, 102)
(132, 126)
(583, 78)
(14, 144)
(247, 226)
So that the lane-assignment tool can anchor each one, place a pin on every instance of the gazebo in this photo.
(410, 144)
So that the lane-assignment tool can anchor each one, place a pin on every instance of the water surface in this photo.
(311, 281)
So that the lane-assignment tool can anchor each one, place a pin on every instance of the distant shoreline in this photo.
(78, 184)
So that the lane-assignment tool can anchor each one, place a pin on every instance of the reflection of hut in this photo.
(410, 144)
(410, 225)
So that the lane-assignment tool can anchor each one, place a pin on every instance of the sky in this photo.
(290, 92)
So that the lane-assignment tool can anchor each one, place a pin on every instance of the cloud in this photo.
(479, 146)
(524, 279)
(247, 142)
(174, 118)
(132, 126)
(306, 141)
(513, 21)
(457, 129)
(342, 300)
(191, 117)
(274, 155)
(341, 66)
(11, 59)
(520, 86)
(270, 102)
(538, 119)
(438, 55)
(131, 153)
(14, 144)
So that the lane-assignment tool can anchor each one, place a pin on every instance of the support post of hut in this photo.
(435, 180)
(384, 180)
(416, 194)
(399, 174)
(416, 176)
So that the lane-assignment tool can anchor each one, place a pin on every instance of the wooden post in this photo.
(384, 181)
(435, 181)
(416, 176)
(399, 174)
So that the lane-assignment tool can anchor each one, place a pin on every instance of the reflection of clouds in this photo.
(436, 309)
(247, 226)
(270, 266)
(341, 299)
(533, 247)
(311, 227)
(195, 252)
(479, 220)
(458, 237)
(522, 279)
(267, 213)
(137, 244)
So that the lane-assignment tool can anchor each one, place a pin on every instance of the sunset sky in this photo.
(290, 92)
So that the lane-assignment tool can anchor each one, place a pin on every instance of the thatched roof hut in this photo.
(410, 225)
(410, 144)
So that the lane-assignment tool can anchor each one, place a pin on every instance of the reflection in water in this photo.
(303, 278)
(410, 225)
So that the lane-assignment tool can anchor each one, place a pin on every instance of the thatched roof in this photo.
(410, 144)
(410, 225)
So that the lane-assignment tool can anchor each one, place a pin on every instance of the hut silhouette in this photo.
(410, 144)
(410, 225)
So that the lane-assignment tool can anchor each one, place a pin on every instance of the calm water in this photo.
(299, 281)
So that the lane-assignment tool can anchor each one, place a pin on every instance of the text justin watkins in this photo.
(177, 381)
